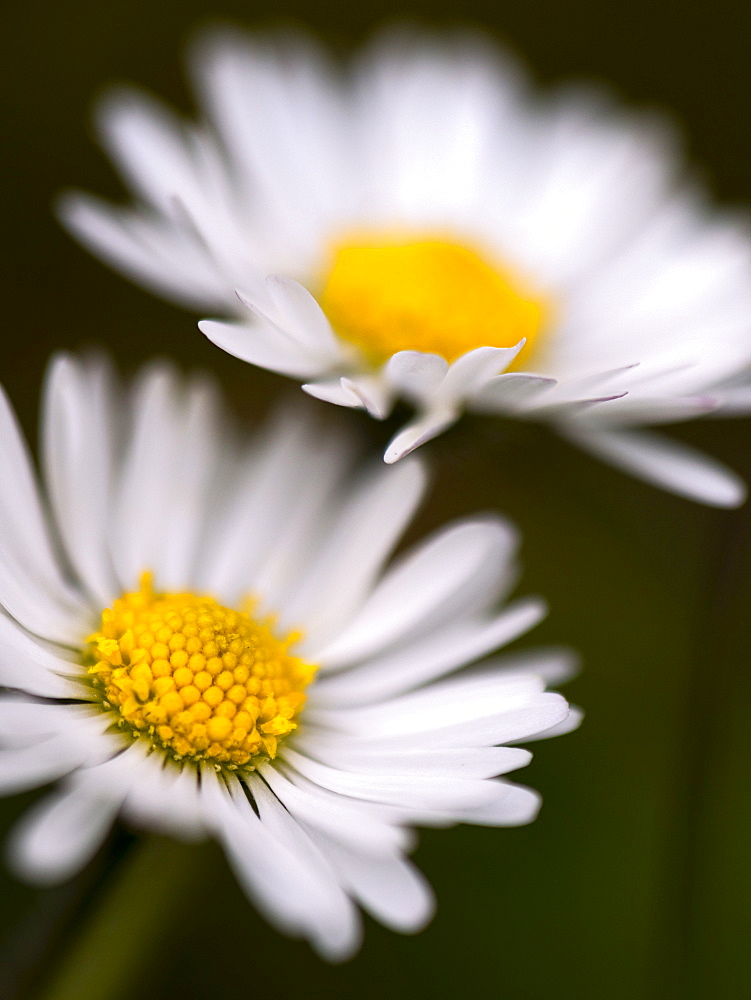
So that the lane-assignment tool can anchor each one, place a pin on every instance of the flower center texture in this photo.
(429, 296)
(199, 681)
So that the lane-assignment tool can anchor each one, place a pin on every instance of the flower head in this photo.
(421, 225)
(207, 638)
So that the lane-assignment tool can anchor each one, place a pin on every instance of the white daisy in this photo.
(422, 225)
(300, 714)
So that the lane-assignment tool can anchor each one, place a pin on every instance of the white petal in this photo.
(335, 391)
(321, 470)
(515, 726)
(352, 555)
(735, 400)
(593, 384)
(414, 664)
(27, 665)
(295, 895)
(463, 762)
(265, 869)
(460, 570)
(334, 921)
(149, 143)
(631, 409)
(262, 509)
(418, 791)
(32, 587)
(38, 611)
(172, 447)
(161, 254)
(416, 374)
(472, 370)
(373, 393)
(303, 317)
(56, 837)
(138, 516)
(567, 725)
(25, 723)
(560, 409)
(260, 342)
(278, 106)
(362, 392)
(391, 889)
(428, 587)
(194, 469)
(424, 428)
(22, 768)
(512, 725)
(365, 826)
(162, 797)
(512, 392)
(512, 805)
(79, 410)
(459, 699)
(665, 463)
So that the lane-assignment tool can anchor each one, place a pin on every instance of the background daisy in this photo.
(424, 226)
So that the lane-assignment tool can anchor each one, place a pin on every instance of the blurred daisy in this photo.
(422, 226)
(202, 638)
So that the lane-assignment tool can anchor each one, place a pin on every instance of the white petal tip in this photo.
(332, 392)
(668, 464)
(572, 721)
(413, 435)
(725, 504)
(374, 403)
(245, 299)
(394, 454)
(206, 325)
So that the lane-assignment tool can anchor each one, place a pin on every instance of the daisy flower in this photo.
(421, 225)
(203, 637)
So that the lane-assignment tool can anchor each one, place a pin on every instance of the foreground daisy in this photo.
(218, 651)
(422, 226)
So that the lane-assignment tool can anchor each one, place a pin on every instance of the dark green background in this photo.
(634, 882)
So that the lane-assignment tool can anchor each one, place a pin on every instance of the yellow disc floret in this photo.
(430, 296)
(198, 680)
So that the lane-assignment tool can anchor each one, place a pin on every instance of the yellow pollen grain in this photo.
(430, 296)
(192, 677)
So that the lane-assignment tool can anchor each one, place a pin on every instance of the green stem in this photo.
(108, 956)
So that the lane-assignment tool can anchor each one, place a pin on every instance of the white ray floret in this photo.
(640, 292)
(314, 792)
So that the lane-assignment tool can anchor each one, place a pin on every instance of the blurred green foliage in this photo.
(634, 882)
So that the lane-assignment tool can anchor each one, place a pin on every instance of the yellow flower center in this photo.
(426, 296)
(199, 681)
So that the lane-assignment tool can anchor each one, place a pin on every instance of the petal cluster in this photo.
(392, 735)
(650, 291)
